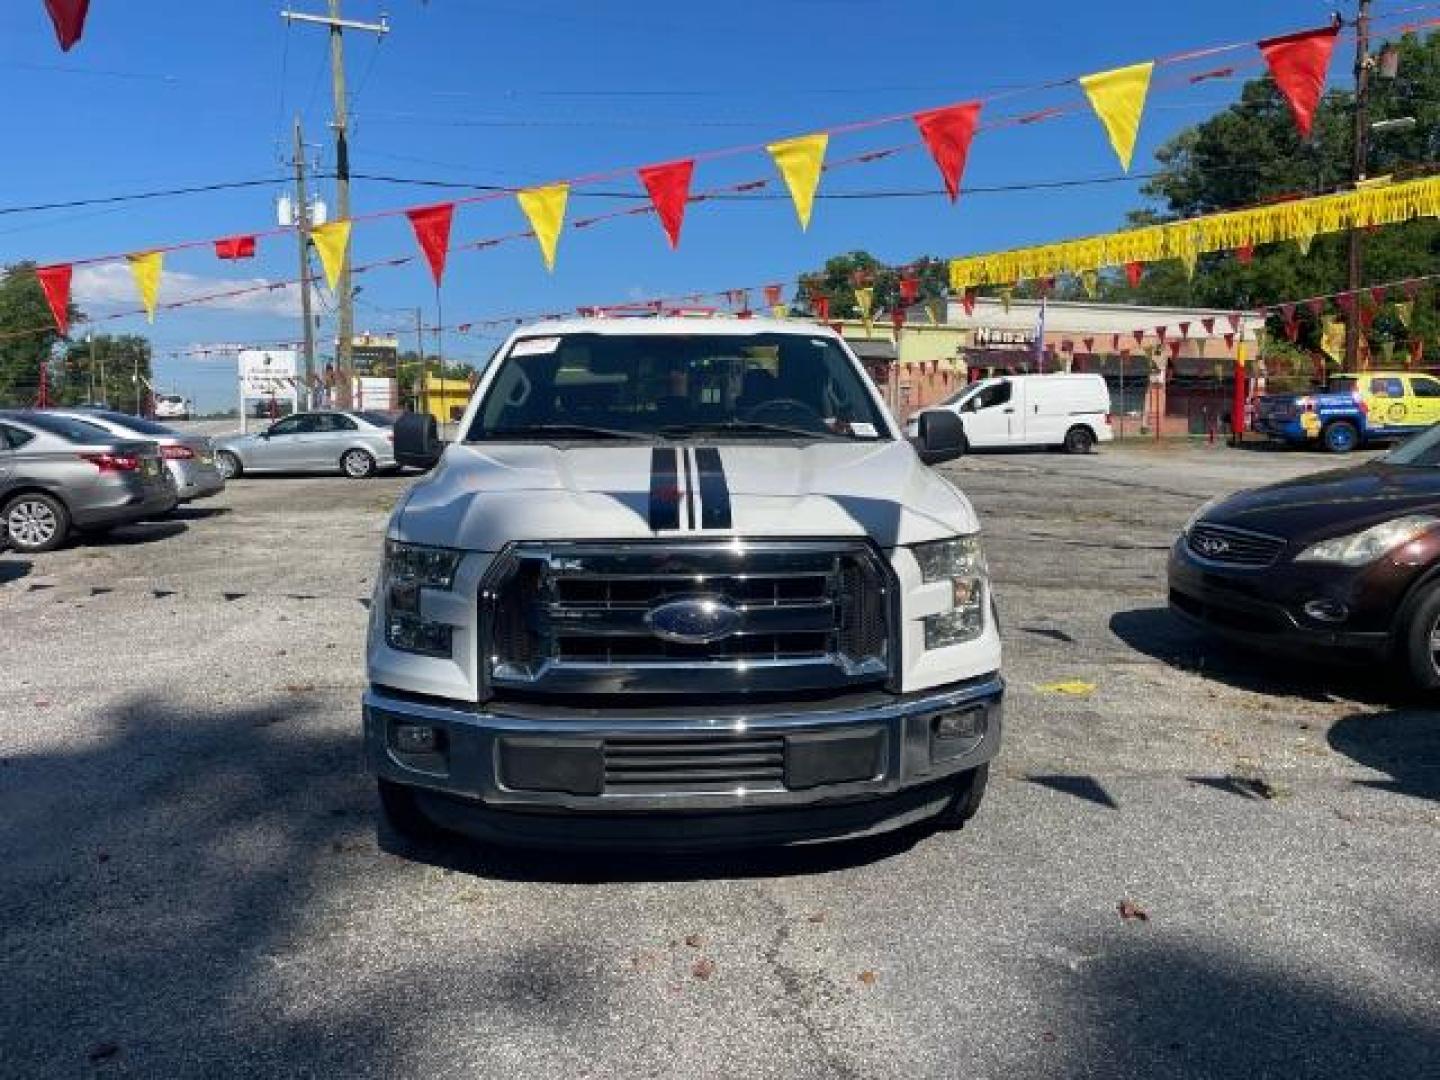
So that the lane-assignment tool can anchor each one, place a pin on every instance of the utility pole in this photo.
(1353, 328)
(302, 230)
(423, 396)
(345, 299)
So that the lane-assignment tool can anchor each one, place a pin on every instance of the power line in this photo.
(105, 200)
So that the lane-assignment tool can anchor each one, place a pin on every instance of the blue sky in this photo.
(173, 92)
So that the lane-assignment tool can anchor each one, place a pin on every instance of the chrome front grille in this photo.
(1233, 547)
(576, 619)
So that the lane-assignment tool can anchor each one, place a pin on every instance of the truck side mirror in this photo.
(940, 437)
(417, 441)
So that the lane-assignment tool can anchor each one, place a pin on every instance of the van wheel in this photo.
(1341, 437)
(36, 522)
(969, 791)
(1420, 639)
(403, 816)
(1079, 440)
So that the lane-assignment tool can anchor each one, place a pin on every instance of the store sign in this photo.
(267, 372)
(986, 335)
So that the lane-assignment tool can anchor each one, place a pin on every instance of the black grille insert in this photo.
(1235, 547)
(699, 762)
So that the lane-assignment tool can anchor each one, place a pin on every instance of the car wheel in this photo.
(1421, 640)
(403, 816)
(1079, 440)
(969, 791)
(357, 464)
(36, 523)
(1341, 437)
(228, 465)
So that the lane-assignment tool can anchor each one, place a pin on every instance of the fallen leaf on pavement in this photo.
(703, 968)
(1070, 688)
(818, 917)
(1130, 910)
(694, 940)
(869, 978)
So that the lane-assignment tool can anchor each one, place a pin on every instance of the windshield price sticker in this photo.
(535, 346)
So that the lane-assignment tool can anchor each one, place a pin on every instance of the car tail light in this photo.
(1109, 420)
(114, 462)
(177, 453)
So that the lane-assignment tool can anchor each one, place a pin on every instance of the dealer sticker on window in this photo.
(535, 346)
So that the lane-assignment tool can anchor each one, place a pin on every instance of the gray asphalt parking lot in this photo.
(193, 883)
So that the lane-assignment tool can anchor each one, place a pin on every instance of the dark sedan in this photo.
(1345, 561)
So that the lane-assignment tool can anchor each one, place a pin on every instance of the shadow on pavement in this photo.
(1404, 743)
(196, 513)
(144, 532)
(1176, 1008)
(13, 569)
(1158, 634)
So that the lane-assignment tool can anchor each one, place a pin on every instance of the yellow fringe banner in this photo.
(1185, 240)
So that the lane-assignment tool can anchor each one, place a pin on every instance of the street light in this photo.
(1399, 123)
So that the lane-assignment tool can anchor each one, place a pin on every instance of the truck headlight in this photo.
(1361, 548)
(408, 569)
(961, 562)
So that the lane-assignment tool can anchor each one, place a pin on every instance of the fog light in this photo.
(959, 725)
(1328, 611)
(416, 739)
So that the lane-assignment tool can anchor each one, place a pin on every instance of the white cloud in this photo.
(113, 284)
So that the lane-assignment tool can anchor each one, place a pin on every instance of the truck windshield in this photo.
(578, 386)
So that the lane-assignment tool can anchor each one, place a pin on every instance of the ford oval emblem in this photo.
(695, 620)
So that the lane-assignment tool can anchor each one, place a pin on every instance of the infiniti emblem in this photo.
(1212, 545)
(694, 620)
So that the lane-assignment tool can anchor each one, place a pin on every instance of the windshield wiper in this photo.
(741, 427)
(574, 431)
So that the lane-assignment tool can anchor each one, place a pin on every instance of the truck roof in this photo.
(676, 325)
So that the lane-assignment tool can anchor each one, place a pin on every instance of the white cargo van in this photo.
(1069, 411)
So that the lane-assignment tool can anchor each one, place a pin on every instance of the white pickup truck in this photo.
(680, 583)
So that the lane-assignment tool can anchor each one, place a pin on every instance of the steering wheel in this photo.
(806, 412)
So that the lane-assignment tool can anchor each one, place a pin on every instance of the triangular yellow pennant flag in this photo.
(146, 268)
(1090, 281)
(865, 301)
(545, 209)
(1304, 238)
(800, 161)
(332, 241)
(934, 311)
(1007, 297)
(1118, 98)
(1405, 311)
(779, 311)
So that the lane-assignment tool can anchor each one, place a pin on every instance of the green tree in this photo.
(104, 368)
(1251, 153)
(27, 334)
(841, 275)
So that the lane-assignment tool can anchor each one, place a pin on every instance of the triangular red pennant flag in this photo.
(839, 328)
(1346, 302)
(1234, 320)
(822, 308)
(967, 301)
(1160, 333)
(1139, 337)
(55, 282)
(69, 19)
(772, 295)
(1175, 350)
(1133, 270)
(235, 247)
(1417, 351)
(1292, 327)
(1184, 331)
(1209, 324)
(1316, 306)
(1299, 64)
(1114, 342)
(898, 317)
(909, 288)
(1245, 253)
(1367, 316)
(1229, 341)
(432, 231)
(669, 188)
(1090, 346)
(1378, 295)
(464, 327)
(948, 133)
(1412, 290)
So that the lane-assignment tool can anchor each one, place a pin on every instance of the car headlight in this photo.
(408, 569)
(1361, 548)
(961, 562)
(1199, 515)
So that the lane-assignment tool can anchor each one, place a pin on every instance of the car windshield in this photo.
(137, 424)
(1420, 451)
(68, 428)
(608, 386)
(378, 419)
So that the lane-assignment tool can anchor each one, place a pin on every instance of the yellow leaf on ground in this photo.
(1071, 687)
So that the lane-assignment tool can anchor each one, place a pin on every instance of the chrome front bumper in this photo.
(520, 772)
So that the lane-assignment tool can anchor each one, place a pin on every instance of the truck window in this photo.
(1387, 388)
(1424, 386)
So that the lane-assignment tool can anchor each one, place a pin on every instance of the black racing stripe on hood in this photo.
(664, 488)
(714, 491)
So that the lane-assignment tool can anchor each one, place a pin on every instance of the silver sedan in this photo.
(190, 459)
(358, 444)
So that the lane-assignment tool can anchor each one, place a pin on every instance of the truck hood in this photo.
(482, 497)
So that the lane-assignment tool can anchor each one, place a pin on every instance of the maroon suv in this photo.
(1346, 561)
